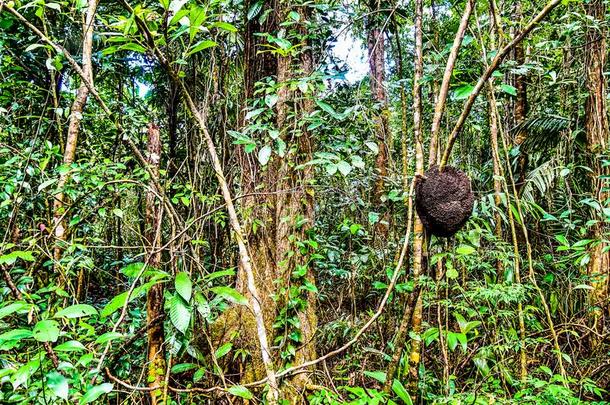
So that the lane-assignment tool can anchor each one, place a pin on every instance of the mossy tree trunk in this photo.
(154, 298)
(278, 202)
(597, 131)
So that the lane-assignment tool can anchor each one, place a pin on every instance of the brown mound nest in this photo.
(443, 200)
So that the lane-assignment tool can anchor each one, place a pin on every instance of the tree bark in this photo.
(278, 202)
(597, 132)
(154, 298)
(418, 230)
(76, 115)
(376, 56)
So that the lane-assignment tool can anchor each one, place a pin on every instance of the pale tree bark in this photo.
(76, 115)
(418, 228)
(154, 297)
(598, 133)
(376, 56)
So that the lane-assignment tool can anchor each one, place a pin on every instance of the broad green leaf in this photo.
(241, 391)
(95, 392)
(115, 303)
(463, 92)
(452, 340)
(76, 311)
(222, 350)
(14, 307)
(509, 89)
(465, 250)
(58, 384)
(344, 167)
(230, 294)
(220, 273)
(200, 46)
(372, 146)
(225, 26)
(46, 331)
(133, 269)
(254, 9)
(179, 313)
(70, 346)
(15, 334)
(402, 393)
(12, 257)
(377, 375)
(23, 374)
(182, 367)
(108, 336)
(184, 286)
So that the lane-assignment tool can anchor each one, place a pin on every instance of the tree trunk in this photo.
(418, 231)
(154, 298)
(76, 115)
(521, 104)
(376, 54)
(597, 131)
(278, 207)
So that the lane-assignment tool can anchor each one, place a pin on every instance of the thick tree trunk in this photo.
(376, 54)
(278, 206)
(154, 298)
(76, 115)
(598, 132)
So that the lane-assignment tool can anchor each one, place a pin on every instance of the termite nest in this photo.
(443, 200)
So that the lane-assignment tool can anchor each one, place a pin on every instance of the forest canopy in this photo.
(304, 202)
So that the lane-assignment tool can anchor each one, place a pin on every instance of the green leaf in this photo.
(58, 385)
(372, 146)
(200, 46)
(182, 367)
(179, 313)
(222, 350)
(15, 334)
(184, 286)
(344, 167)
(95, 392)
(53, 6)
(377, 375)
(465, 250)
(463, 92)
(402, 393)
(264, 154)
(12, 257)
(46, 331)
(118, 212)
(14, 307)
(133, 269)
(108, 336)
(509, 89)
(114, 304)
(254, 9)
(452, 340)
(240, 391)
(230, 294)
(76, 311)
(225, 26)
(70, 346)
(23, 374)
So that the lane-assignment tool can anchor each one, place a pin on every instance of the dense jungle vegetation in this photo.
(220, 201)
